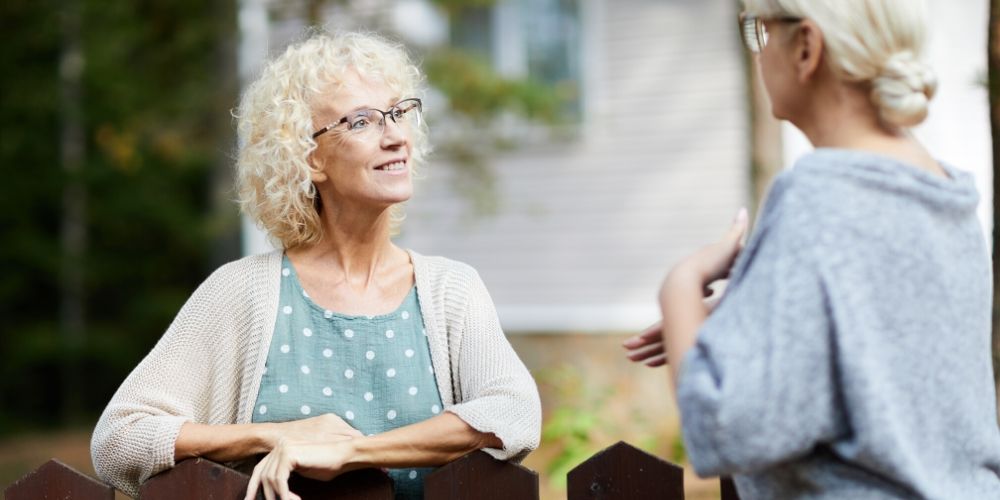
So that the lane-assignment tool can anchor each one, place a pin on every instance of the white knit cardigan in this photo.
(207, 367)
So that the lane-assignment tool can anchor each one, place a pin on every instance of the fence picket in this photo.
(620, 471)
(624, 472)
(479, 476)
(728, 489)
(363, 484)
(196, 478)
(55, 479)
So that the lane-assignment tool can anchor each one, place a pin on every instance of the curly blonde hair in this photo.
(275, 127)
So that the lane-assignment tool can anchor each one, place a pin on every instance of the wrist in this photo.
(265, 437)
(682, 278)
(354, 453)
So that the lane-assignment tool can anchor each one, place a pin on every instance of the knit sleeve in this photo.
(496, 392)
(134, 437)
(760, 385)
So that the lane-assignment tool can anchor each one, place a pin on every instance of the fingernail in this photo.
(741, 216)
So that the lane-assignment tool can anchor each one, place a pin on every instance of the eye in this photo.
(360, 123)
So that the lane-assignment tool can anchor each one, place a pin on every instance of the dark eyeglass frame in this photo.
(393, 112)
(753, 32)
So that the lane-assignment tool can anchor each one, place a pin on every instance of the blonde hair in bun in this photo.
(903, 90)
(878, 43)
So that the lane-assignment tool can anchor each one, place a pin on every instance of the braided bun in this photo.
(903, 90)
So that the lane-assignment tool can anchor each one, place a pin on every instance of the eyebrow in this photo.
(363, 107)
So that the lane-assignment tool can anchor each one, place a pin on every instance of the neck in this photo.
(356, 243)
(841, 116)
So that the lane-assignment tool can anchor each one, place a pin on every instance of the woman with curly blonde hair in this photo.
(341, 350)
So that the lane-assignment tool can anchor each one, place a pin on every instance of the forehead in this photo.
(353, 92)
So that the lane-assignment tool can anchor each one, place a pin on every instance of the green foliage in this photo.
(476, 91)
(151, 117)
(573, 428)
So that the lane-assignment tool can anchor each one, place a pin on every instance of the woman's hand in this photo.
(647, 346)
(312, 459)
(321, 428)
(713, 262)
(682, 296)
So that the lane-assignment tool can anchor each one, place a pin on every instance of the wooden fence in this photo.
(620, 472)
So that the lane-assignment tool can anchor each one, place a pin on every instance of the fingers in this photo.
(651, 335)
(646, 352)
(738, 230)
(254, 483)
(271, 476)
(658, 360)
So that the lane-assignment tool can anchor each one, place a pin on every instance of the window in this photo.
(535, 39)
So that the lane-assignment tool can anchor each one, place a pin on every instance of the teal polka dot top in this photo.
(374, 372)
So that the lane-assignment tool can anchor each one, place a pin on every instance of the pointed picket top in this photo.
(55, 479)
(196, 478)
(204, 479)
(727, 489)
(624, 472)
(481, 477)
(362, 484)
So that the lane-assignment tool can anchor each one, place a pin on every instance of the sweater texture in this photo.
(208, 365)
(850, 354)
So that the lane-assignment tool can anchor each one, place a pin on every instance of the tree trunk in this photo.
(225, 218)
(73, 234)
(994, 92)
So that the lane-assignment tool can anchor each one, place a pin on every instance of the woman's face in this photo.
(369, 170)
(776, 65)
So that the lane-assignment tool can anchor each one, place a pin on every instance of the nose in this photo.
(393, 135)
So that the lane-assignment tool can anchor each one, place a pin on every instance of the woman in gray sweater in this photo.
(849, 356)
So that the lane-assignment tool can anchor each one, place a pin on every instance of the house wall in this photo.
(587, 227)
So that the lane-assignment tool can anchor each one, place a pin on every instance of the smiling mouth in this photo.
(391, 167)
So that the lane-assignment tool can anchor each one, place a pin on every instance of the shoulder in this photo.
(247, 275)
(436, 268)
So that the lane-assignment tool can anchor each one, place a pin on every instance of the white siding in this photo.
(587, 229)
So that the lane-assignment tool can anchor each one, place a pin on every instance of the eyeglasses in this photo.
(371, 122)
(754, 30)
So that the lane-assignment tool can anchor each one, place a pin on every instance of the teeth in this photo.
(393, 166)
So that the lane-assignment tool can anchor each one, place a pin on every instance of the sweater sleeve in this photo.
(134, 437)
(497, 393)
(759, 387)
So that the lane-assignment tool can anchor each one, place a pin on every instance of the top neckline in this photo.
(286, 265)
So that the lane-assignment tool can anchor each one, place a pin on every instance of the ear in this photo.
(316, 172)
(809, 50)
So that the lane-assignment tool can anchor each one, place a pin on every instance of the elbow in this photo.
(106, 455)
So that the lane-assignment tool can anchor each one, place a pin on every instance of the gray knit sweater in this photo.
(850, 356)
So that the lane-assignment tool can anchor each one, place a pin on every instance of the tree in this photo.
(113, 117)
(993, 51)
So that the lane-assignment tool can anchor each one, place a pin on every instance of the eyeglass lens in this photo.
(754, 33)
(372, 120)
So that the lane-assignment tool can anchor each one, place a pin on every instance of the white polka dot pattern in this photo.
(455, 306)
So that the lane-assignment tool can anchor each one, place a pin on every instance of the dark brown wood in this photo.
(364, 484)
(728, 489)
(478, 476)
(196, 478)
(624, 472)
(204, 479)
(56, 480)
(993, 79)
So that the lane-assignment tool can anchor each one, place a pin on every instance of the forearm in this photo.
(433, 442)
(684, 311)
(223, 443)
